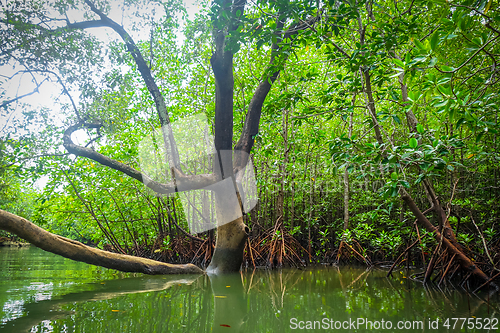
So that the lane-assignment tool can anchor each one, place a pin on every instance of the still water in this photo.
(42, 292)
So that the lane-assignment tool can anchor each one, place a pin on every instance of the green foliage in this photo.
(435, 61)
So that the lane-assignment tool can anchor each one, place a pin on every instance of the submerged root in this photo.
(444, 268)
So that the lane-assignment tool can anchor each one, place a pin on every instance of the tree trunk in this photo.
(346, 173)
(465, 262)
(77, 251)
(231, 237)
(370, 103)
(282, 170)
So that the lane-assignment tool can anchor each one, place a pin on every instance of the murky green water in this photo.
(41, 292)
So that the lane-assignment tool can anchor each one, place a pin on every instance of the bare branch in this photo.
(180, 183)
(470, 58)
(168, 136)
(65, 90)
(5, 103)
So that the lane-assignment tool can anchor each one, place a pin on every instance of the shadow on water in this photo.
(318, 299)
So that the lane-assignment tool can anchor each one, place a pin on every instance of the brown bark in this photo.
(370, 103)
(77, 251)
(231, 237)
(464, 261)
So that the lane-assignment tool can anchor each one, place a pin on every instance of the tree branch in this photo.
(180, 183)
(87, 24)
(168, 136)
(5, 103)
(470, 58)
(77, 251)
(252, 120)
(65, 90)
(465, 262)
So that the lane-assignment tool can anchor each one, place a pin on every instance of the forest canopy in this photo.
(360, 118)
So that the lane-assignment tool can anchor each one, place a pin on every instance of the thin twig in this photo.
(407, 249)
(484, 243)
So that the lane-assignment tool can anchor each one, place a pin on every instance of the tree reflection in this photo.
(253, 301)
(230, 306)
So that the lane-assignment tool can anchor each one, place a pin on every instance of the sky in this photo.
(49, 93)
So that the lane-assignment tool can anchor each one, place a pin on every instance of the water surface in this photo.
(42, 292)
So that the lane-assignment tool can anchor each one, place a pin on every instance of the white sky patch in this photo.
(49, 94)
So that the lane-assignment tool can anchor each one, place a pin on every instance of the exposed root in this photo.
(274, 247)
(347, 251)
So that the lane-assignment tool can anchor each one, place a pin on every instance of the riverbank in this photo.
(7, 242)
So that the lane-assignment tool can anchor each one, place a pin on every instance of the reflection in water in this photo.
(52, 309)
(40, 292)
(230, 307)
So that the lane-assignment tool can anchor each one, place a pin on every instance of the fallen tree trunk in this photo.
(80, 252)
(464, 261)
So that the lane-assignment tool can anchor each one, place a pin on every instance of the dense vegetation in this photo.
(374, 99)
